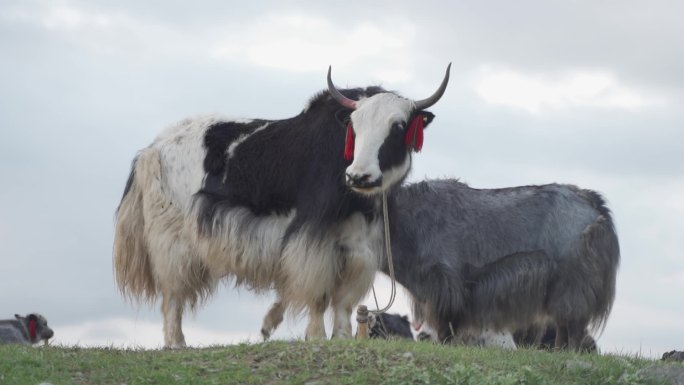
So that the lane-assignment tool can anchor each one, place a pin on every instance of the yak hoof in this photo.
(265, 334)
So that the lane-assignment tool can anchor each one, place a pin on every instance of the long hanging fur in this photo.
(132, 268)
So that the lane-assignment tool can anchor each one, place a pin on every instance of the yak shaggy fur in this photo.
(505, 259)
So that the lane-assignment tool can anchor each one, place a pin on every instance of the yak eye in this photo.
(398, 126)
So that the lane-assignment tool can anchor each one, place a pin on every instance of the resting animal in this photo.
(25, 330)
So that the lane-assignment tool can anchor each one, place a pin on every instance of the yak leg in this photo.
(576, 334)
(172, 309)
(349, 291)
(316, 327)
(561, 336)
(361, 242)
(342, 304)
(342, 322)
(273, 318)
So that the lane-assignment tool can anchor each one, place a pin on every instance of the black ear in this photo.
(405, 318)
(427, 117)
(17, 316)
(32, 317)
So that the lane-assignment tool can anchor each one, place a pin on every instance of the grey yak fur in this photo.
(386, 326)
(19, 330)
(505, 259)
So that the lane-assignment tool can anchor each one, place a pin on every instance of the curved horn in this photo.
(343, 100)
(425, 103)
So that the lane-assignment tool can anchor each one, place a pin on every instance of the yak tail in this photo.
(603, 251)
(132, 267)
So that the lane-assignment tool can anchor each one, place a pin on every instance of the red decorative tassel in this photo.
(32, 330)
(349, 143)
(414, 135)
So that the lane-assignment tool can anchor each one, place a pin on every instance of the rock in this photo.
(662, 374)
(578, 365)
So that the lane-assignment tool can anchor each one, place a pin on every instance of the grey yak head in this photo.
(37, 327)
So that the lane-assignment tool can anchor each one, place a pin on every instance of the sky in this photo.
(589, 93)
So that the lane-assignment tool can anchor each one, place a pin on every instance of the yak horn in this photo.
(343, 100)
(426, 103)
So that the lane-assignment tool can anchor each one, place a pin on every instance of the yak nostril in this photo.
(357, 179)
(349, 178)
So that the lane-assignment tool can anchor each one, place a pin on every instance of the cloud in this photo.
(538, 93)
(101, 31)
(296, 41)
(300, 41)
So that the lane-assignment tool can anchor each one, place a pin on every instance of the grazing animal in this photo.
(386, 326)
(290, 205)
(505, 259)
(25, 330)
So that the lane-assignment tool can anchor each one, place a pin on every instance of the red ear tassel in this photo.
(349, 143)
(32, 330)
(414, 135)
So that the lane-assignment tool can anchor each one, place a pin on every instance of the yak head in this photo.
(383, 130)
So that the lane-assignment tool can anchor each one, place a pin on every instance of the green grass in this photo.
(321, 362)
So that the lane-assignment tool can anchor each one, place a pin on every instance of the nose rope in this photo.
(390, 264)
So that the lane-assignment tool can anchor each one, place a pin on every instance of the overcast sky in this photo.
(583, 92)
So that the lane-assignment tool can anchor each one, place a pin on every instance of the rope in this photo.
(390, 264)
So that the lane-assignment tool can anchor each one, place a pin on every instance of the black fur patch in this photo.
(129, 182)
(391, 325)
(294, 163)
(219, 137)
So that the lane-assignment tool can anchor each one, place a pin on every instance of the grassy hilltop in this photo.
(320, 362)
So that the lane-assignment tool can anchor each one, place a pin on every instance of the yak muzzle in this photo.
(363, 181)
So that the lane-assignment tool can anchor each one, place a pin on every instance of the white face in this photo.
(373, 121)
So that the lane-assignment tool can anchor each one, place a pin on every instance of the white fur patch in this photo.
(242, 138)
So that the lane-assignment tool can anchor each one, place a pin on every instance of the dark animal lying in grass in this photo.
(387, 326)
(25, 330)
(673, 355)
(505, 259)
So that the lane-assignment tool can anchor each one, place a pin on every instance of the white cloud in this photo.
(294, 41)
(537, 93)
(102, 32)
(308, 42)
(69, 18)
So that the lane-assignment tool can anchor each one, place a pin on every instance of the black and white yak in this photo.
(505, 259)
(272, 204)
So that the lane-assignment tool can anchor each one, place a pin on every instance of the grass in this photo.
(320, 362)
